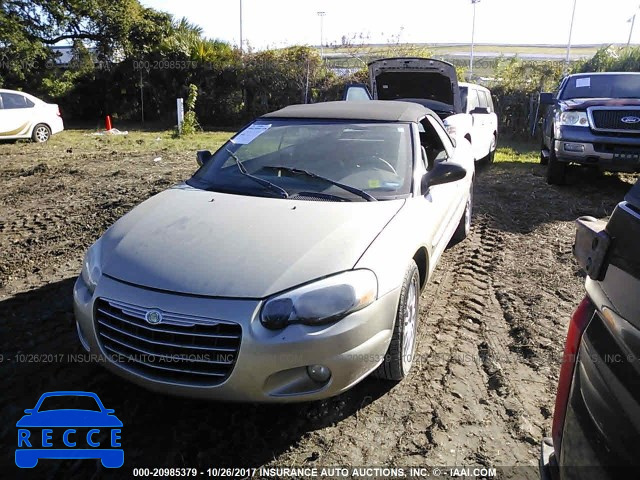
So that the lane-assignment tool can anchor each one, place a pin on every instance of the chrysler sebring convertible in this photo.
(289, 267)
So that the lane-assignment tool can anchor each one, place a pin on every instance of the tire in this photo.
(488, 160)
(556, 170)
(41, 133)
(464, 227)
(399, 358)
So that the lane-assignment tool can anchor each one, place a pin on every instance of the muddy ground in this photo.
(492, 327)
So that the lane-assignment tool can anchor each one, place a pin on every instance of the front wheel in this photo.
(399, 358)
(556, 170)
(41, 133)
(464, 227)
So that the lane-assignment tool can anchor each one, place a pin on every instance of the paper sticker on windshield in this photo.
(250, 134)
(583, 82)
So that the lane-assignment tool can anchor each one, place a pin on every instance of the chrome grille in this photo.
(611, 120)
(184, 349)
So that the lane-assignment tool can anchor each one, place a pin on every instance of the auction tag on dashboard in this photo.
(250, 134)
(583, 82)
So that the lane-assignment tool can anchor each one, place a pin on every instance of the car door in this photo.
(441, 202)
(473, 103)
(16, 115)
(481, 125)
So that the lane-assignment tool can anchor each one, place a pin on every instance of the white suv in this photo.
(465, 108)
(25, 116)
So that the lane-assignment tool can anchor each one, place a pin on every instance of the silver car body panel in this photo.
(183, 253)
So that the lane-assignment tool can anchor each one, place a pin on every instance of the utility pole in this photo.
(573, 16)
(473, 37)
(240, 26)
(321, 15)
(633, 22)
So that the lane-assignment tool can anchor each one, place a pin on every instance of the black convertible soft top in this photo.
(372, 110)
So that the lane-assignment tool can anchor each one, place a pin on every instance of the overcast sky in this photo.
(286, 22)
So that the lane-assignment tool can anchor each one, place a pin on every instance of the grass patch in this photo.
(514, 151)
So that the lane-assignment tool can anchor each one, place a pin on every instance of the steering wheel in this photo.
(381, 162)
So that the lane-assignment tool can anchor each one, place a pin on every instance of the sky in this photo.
(278, 23)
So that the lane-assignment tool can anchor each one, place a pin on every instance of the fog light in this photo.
(319, 373)
(574, 147)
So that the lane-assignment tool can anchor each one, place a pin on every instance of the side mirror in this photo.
(442, 173)
(28, 411)
(480, 111)
(203, 156)
(109, 411)
(546, 98)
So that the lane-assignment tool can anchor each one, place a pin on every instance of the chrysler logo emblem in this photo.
(153, 317)
(631, 119)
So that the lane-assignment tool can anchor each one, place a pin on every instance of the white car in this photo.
(465, 108)
(25, 116)
(289, 266)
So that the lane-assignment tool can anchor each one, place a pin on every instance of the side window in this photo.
(434, 140)
(482, 97)
(15, 100)
(464, 95)
(473, 101)
(357, 93)
(490, 102)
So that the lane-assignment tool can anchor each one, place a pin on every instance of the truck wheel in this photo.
(399, 357)
(556, 170)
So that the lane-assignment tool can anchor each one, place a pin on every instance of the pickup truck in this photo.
(466, 109)
(593, 119)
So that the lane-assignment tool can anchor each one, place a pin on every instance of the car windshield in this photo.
(372, 160)
(602, 86)
(69, 402)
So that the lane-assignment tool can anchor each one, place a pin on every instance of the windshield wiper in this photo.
(299, 171)
(265, 183)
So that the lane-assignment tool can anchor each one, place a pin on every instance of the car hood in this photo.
(415, 78)
(215, 244)
(584, 103)
(69, 418)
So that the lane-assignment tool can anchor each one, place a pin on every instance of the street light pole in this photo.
(633, 22)
(473, 37)
(573, 16)
(321, 15)
(240, 26)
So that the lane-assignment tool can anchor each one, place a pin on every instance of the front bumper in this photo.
(270, 365)
(581, 145)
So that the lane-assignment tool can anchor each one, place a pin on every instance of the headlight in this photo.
(325, 301)
(575, 119)
(91, 268)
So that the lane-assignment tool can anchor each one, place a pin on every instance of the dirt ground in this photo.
(492, 327)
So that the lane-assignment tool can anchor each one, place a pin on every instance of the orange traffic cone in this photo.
(107, 122)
